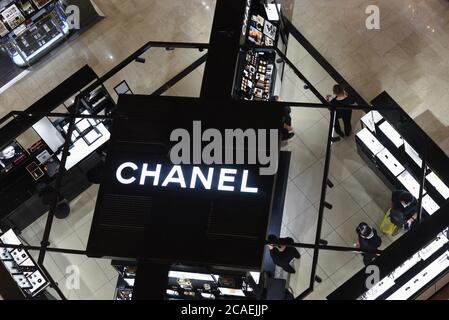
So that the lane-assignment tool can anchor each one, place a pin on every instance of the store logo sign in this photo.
(73, 17)
(239, 147)
(130, 173)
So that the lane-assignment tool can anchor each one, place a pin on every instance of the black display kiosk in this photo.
(27, 176)
(214, 227)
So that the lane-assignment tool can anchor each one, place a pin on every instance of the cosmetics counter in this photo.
(205, 286)
(31, 28)
(28, 175)
(257, 68)
(397, 163)
(19, 266)
(416, 265)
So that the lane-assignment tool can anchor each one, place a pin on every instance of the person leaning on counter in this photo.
(404, 209)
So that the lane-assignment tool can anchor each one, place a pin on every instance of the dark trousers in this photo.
(368, 258)
(346, 116)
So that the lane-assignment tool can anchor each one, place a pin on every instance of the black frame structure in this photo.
(212, 56)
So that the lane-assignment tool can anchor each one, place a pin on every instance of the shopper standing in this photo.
(404, 209)
(368, 240)
(342, 99)
(287, 129)
(281, 254)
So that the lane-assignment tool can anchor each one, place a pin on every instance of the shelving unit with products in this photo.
(125, 282)
(397, 163)
(30, 28)
(415, 265)
(184, 285)
(258, 75)
(21, 266)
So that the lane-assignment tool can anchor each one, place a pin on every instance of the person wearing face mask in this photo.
(368, 240)
(404, 209)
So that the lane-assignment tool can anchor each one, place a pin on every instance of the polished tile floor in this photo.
(406, 57)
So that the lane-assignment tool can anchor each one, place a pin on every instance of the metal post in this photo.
(323, 198)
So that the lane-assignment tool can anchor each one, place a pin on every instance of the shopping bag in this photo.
(387, 227)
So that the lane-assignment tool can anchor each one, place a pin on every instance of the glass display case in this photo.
(31, 28)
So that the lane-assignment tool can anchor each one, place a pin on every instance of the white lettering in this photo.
(171, 177)
(155, 174)
(245, 187)
(225, 178)
(197, 173)
(120, 171)
(199, 178)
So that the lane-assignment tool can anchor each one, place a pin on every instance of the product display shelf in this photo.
(414, 274)
(21, 266)
(392, 159)
(257, 76)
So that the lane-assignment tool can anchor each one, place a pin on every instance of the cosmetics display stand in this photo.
(29, 172)
(126, 279)
(188, 285)
(384, 149)
(397, 150)
(21, 266)
(257, 71)
(31, 28)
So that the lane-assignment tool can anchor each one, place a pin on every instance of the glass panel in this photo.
(156, 67)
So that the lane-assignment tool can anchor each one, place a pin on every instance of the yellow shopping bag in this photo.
(387, 227)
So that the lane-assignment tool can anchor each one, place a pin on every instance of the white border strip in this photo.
(14, 81)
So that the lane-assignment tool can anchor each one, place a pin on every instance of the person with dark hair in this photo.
(287, 129)
(281, 254)
(368, 240)
(404, 209)
(342, 99)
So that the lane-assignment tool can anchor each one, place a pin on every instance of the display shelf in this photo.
(370, 120)
(422, 279)
(378, 289)
(410, 183)
(390, 162)
(258, 76)
(439, 185)
(433, 247)
(429, 205)
(391, 134)
(21, 266)
(371, 142)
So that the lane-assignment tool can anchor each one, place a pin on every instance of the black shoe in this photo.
(335, 139)
(289, 136)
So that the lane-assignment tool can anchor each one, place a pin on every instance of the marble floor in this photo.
(358, 194)
(405, 58)
(408, 57)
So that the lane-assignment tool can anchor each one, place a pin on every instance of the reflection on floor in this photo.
(358, 194)
(98, 278)
(404, 58)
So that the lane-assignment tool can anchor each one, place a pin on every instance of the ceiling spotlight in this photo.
(140, 60)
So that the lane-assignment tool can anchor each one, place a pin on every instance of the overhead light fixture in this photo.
(140, 60)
